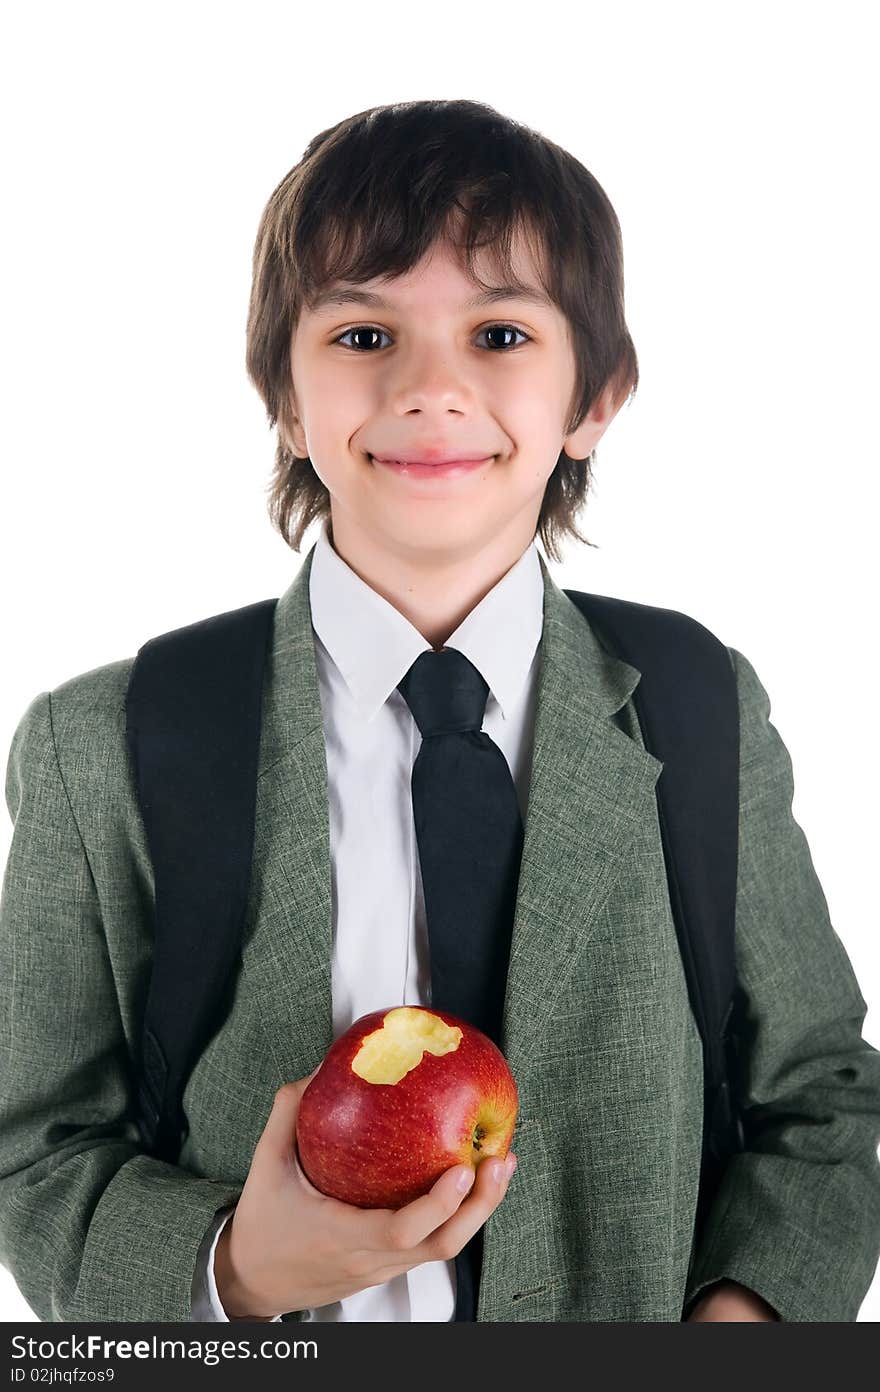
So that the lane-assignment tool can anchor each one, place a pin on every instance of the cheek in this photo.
(529, 474)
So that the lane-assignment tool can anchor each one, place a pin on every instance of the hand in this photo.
(729, 1301)
(287, 1246)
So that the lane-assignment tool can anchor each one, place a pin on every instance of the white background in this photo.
(737, 144)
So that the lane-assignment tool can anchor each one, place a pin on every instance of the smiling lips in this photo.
(436, 456)
(445, 468)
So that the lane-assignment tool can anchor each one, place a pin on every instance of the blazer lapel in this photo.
(588, 782)
(288, 939)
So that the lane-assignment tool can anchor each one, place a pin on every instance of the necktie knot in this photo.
(445, 692)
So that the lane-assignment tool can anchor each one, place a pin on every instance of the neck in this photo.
(434, 590)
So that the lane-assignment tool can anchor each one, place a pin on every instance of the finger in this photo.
(489, 1189)
(408, 1227)
(305, 1183)
(278, 1135)
(446, 1208)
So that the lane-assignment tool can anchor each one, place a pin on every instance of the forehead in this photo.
(443, 274)
(340, 293)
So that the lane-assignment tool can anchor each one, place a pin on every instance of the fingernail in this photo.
(497, 1170)
(464, 1181)
(511, 1165)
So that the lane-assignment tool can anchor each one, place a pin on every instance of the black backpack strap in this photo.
(688, 711)
(193, 718)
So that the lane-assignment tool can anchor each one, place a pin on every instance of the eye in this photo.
(372, 328)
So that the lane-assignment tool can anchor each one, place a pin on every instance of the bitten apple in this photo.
(401, 1096)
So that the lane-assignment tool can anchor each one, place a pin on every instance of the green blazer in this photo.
(597, 1223)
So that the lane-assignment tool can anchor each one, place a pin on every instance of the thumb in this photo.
(280, 1130)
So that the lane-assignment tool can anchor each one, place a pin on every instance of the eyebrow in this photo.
(343, 296)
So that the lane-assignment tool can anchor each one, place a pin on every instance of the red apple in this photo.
(401, 1096)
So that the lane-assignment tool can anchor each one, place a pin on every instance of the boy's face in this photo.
(423, 372)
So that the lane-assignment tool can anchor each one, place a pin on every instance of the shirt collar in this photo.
(373, 645)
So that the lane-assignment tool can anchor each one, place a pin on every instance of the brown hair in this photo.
(370, 196)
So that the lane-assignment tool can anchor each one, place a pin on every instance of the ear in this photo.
(290, 429)
(584, 440)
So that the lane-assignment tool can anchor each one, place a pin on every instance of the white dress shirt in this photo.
(363, 647)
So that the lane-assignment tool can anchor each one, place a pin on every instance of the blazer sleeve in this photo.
(797, 1215)
(207, 1305)
(92, 1227)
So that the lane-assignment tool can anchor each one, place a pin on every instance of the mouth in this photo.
(452, 468)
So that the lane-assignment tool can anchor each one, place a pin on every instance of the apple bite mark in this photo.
(406, 1035)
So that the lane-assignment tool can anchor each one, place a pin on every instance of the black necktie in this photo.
(470, 837)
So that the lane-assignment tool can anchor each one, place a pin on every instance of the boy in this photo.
(414, 561)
